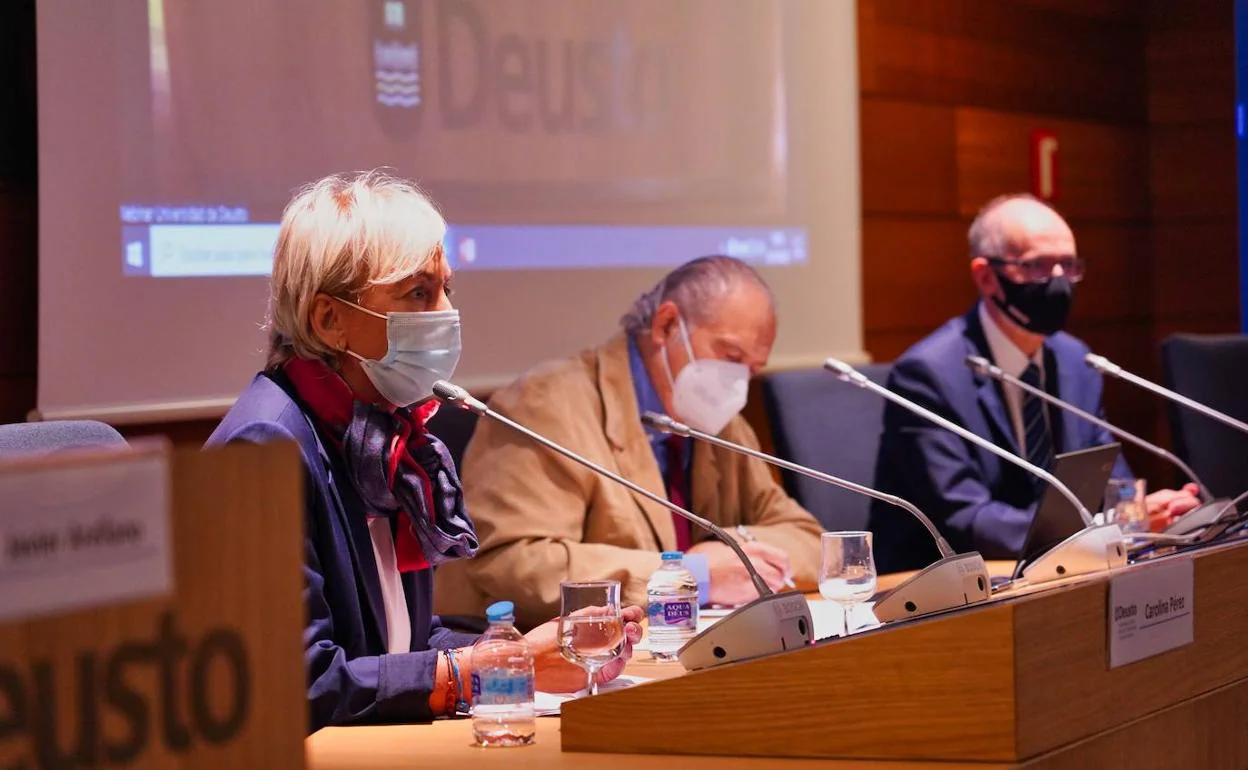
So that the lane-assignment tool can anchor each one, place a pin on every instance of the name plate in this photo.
(84, 534)
(1151, 611)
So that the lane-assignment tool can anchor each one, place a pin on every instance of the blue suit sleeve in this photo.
(373, 688)
(942, 478)
(443, 638)
(342, 690)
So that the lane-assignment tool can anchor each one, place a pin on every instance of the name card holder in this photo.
(151, 609)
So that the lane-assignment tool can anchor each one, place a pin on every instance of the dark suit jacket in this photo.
(977, 500)
(350, 678)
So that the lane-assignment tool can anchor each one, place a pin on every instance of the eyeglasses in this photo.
(1040, 269)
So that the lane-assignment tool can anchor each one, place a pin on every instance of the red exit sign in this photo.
(1044, 165)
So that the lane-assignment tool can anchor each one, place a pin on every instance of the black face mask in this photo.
(1040, 308)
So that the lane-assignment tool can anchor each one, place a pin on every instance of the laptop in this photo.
(1087, 473)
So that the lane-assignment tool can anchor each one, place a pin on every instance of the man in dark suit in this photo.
(1024, 264)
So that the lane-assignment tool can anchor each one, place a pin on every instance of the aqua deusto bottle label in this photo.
(675, 613)
(498, 688)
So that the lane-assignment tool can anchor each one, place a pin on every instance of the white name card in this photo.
(1151, 611)
(78, 532)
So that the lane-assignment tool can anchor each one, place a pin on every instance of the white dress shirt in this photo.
(393, 599)
(1012, 361)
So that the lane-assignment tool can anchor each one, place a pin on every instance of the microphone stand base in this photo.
(954, 581)
(1094, 549)
(767, 625)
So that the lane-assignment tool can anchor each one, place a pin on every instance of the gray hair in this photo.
(986, 236)
(693, 287)
(339, 236)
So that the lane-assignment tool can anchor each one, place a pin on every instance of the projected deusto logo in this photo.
(487, 72)
(566, 134)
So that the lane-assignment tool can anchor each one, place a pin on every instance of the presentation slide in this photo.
(579, 149)
(639, 132)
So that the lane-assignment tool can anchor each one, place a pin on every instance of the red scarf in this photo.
(330, 400)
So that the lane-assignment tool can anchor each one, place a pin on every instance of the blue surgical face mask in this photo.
(422, 348)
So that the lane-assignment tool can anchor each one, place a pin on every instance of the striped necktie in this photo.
(1036, 436)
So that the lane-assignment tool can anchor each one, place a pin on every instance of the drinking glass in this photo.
(591, 630)
(1125, 505)
(847, 575)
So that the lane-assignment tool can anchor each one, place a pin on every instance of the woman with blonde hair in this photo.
(361, 326)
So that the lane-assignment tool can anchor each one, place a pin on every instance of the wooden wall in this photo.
(950, 93)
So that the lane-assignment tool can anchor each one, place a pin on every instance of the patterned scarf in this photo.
(397, 467)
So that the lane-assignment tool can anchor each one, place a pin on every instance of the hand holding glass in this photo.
(847, 574)
(591, 630)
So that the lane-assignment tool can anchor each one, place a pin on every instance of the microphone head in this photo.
(656, 421)
(1101, 363)
(662, 422)
(453, 395)
(845, 372)
(980, 366)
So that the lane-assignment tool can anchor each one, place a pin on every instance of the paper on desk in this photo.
(548, 704)
(827, 617)
(825, 614)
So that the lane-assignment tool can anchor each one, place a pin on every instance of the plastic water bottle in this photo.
(502, 682)
(672, 607)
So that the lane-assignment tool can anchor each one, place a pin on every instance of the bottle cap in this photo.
(672, 556)
(500, 611)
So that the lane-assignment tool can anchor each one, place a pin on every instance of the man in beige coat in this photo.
(688, 349)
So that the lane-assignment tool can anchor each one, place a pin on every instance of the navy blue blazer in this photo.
(350, 678)
(977, 500)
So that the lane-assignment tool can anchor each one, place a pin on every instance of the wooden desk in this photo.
(449, 742)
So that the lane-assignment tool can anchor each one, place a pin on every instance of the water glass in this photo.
(1125, 504)
(847, 574)
(591, 629)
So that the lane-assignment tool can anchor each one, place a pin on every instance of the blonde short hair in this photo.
(339, 236)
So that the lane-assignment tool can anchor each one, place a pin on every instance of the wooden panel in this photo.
(922, 690)
(1009, 56)
(1206, 732)
(170, 699)
(918, 271)
(1066, 690)
(1193, 170)
(1103, 169)
(908, 162)
(1194, 269)
(1118, 281)
(1191, 76)
(1126, 11)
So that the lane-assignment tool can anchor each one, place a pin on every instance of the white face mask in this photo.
(708, 392)
(422, 349)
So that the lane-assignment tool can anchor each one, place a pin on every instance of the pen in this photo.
(748, 537)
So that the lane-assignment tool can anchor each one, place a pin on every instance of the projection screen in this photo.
(578, 149)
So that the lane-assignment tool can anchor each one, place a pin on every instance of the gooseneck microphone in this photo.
(1200, 517)
(954, 580)
(1091, 549)
(851, 375)
(1105, 366)
(772, 623)
(668, 425)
